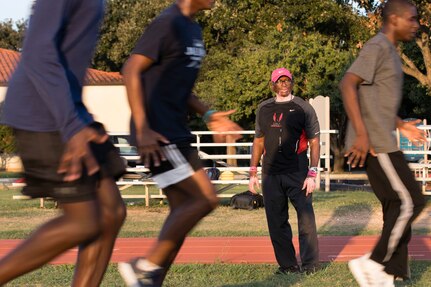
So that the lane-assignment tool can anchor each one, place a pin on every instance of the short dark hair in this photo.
(396, 7)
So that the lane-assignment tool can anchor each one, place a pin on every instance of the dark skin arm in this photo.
(410, 131)
(257, 151)
(309, 183)
(314, 145)
(147, 139)
(358, 152)
(77, 151)
(218, 121)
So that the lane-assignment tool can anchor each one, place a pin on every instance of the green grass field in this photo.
(226, 275)
(337, 213)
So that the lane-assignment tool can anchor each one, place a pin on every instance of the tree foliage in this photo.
(12, 34)
(124, 22)
(416, 56)
(7, 143)
(247, 39)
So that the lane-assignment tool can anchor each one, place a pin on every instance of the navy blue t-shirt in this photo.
(45, 91)
(174, 42)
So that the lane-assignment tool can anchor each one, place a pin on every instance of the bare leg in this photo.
(175, 200)
(79, 223)
(93, 258)
(197, 199)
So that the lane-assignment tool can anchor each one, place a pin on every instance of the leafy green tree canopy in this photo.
(12, 34)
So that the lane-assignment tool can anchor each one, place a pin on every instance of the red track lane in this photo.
(242, 249)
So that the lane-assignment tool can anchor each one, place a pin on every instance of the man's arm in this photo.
(196, 105)
(411, 131)
(349, 91)
(44, 68)
(309, 183)
(257, 151)
(216, 121)
(314, 145)
(147, 139)
(42, 65)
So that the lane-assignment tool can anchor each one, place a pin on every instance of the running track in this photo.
(243, 249)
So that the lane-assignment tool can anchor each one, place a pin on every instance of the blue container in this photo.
(406, 145)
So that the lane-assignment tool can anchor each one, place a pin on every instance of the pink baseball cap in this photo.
(280, 72)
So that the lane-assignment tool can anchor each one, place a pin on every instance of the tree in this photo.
(416, 56)
(7, 143)
(419, 66)
(317, 40)
(124, 22)
(241, 82)
(12, 34)
(246, 39)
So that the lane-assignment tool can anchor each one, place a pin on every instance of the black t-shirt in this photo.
(281, 123)
(174, 42)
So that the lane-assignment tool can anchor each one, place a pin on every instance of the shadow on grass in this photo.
(346, 220)
(349, 219)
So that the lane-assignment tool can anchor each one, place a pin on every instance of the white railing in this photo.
(422, 169)
(200, 145)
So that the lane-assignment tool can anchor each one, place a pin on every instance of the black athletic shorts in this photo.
(182, 160)
(41, 152)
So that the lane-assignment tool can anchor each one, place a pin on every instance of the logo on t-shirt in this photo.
(196, 54)
(276, 120)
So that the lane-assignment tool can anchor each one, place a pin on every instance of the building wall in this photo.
(2, 93)
(108, 104)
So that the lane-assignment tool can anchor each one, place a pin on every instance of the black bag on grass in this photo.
(213, 173)
(246, 200)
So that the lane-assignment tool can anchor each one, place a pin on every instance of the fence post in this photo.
(198, 142)
(231, 150)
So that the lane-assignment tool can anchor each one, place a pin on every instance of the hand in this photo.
(149, 147)
(77, 152)
(412, 133)
(309, 185)
(254, 181)
(219, 122)
(359, 151)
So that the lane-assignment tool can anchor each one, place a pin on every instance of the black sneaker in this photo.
(288, 270)
(134, 277)
(404, 279)
(310, 269)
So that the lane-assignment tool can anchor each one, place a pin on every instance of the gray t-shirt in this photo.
(380, 94)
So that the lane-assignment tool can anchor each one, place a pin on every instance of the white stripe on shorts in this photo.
(182, 168)
(174, 156)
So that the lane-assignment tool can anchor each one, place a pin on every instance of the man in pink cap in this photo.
(283, 125)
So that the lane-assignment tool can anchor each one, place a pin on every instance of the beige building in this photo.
(104, 93)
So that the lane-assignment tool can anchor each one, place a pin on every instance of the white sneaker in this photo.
(369, 273)
(357, 269)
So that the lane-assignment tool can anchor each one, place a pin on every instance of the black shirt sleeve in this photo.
(312, 127)
(151, 42)
(258, 131)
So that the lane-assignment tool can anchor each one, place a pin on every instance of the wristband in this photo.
(313, 168)
(253, 168)
(207, 115)
(312, 172)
